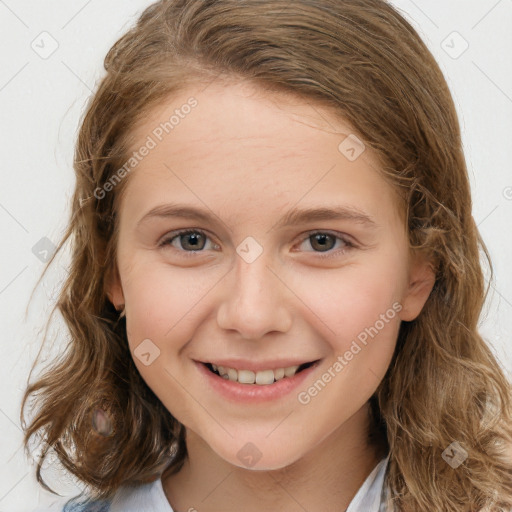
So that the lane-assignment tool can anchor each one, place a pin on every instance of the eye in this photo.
(190, 240)
(193, 241)
(325, 242)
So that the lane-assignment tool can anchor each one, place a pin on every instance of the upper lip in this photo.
(255, 366)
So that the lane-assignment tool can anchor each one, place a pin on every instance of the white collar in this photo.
(151, 497)
(371, 496)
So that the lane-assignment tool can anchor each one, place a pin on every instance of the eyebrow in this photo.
(292, 217)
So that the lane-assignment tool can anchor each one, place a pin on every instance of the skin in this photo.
(249, 155)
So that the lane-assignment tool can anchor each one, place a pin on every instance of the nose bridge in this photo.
(252, 279)
(254, 302)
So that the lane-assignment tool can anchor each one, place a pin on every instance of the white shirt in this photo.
(151, 497)
(371, 496)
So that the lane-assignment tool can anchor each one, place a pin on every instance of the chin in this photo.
(256, 457)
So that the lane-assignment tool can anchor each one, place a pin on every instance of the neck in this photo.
(325, 478)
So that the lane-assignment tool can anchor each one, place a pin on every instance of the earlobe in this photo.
(421, 282)
(114, 290)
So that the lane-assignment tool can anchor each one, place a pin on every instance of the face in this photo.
(251, 288)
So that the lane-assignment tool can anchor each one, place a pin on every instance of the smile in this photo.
(255, 382)
(260, 377)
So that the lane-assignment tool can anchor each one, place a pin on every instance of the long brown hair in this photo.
(362, 59)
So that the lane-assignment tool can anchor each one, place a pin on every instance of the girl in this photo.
(275, 282)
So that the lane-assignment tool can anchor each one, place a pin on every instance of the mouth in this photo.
(258, 378)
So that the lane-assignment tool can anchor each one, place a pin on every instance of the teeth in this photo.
(279, 373)
(262, 377)
(265, 377)
(246, 376)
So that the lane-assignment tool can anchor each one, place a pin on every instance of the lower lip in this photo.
(254, 393)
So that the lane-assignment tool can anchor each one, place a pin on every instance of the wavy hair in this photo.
(365, 61)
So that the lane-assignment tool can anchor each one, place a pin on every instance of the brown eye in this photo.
(192, 241)
(186, 241)
(325, 242)
(322, 241)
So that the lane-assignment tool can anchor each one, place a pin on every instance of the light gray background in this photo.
(42, 97)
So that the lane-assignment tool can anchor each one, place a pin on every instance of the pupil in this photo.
(320, 239)
(193, 239)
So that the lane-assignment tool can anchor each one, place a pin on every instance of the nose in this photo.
(254, 300)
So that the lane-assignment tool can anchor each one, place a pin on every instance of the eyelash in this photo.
(331, 254)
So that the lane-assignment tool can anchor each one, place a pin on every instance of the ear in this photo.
(114, 289)
(421, 280)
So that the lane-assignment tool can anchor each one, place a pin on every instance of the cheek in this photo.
(359, 323)
(163, 303)
(356, 303)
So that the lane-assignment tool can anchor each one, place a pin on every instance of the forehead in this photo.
(246, 148)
